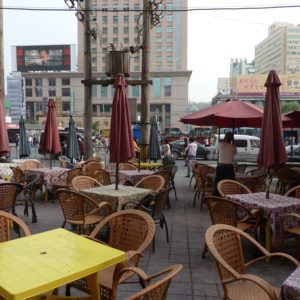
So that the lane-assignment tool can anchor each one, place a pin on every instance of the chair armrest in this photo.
(101, 206)
(129, 202)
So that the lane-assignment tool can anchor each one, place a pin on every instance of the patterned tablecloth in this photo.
(134, 175)
(119, 197)
(290, 289)
(272, 209)
(5, 170)
(51, 175)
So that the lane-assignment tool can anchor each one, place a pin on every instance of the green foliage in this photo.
(285, 108)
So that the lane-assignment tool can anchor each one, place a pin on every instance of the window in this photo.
(126, 19)
(28, 92)
(115, 6)
(126, 40)
(51, 82)
(158, 29)
(240, 143)
(135, 91)
(136, 68)
(169, 49)
(126, 6)
(104, 41)
(158, 49)
(158, 58)
(94, 50)
(28, 82)
(169, 6)
(103, 91)
(104, 7)
(158, 40)
(170, 58)
(136, 18)
(115, 30)
(115, 19)
(156, 87)
(66, 106)
(104, 19)
(167, 86)
(52, 93)
(38, 91)
(169, 40)
(94, 90)
(104, 30)
(65, 81)
(136, 6)
(38, 82)
(39, 106)
(169, 18)
(169, 29)
(115, 41)
(65, 92)
(126, 30)
(94, 60)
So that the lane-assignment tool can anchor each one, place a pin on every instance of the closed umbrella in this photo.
(121, 144)
(4, 143)
(72, 144)
(154, 147)
(272, 153)
(50, 142)
(24, 145)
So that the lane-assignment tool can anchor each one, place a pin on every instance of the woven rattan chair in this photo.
(293, 192)
(224, 211)
(127, 166)
(6, 219)
(151, 182)
(204, 185)
(240, 168)
(258, 183)
(230, 187)
(287, 178)
(31, 164)
(156, 285)
(194, 164)
(224, 243)
(64, 180)
(256, 172)
(8, 196)
(92, 169)
(129, 230)
(173, 170)
(168, 182)
(84, 182)
(81, 210)
(19, 175)
(104, 177)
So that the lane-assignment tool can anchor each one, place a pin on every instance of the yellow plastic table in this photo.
(148, 166)
(40, 263)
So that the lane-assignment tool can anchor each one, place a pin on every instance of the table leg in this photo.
(93, 283)
(268, 239)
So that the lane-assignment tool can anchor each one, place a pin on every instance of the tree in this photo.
(287, 107)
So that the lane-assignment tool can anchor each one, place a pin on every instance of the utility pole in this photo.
(1, 52)
(88, 142)
(145, 88)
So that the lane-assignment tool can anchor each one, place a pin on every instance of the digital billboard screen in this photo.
(43, 58)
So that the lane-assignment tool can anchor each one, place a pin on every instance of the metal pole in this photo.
(87, 118)
(145, 88)
(1, 52)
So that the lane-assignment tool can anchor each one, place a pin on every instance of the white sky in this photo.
(214, 37)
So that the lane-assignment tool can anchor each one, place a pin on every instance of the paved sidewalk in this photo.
(199, 278)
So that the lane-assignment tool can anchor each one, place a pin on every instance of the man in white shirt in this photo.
(225, 168)
(191, 151)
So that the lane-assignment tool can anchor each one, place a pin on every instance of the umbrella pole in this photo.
(117, 175)
(50, 160)
(139, 168)
(268, 184)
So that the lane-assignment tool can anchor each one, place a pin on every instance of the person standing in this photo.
(225, 169)
(184, 151)
(191, 151)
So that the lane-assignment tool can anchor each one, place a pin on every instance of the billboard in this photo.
(43, 58)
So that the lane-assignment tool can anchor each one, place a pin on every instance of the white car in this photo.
(296, 149)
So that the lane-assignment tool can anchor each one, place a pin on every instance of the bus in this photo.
(12, 131)
(172, 133)
(201, 134)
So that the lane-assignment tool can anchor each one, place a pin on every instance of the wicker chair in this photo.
(6, 219)
(224, 211)
(81, 210)
(155, 206)
(224, 243)
(168, 183)
(92, 169)
(258, 183)
(293, 192)
(173, 170)
(156, 290)
(129, 230)
(104, 177)
(84, 182)
(203, 183)
(287, 178)
(31, 164)
(127, 166)
(230, 187)
(8, 196)
(256, 172)
(62, 183)
(19, 175)
(240, 168)
(151, 182)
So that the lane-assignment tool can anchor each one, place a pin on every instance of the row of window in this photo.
(115, 19)
(51, 81)
(65, 92)
(136, 6)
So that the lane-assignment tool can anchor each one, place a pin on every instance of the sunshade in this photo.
(121, 143)
(294, 118)
(72, 144)
(228, 114)
(272, 153)
(154, 147)
(4, 143)
(24, 145)
(50, 142)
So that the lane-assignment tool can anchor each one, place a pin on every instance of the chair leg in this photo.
(205, 249)
(168, 202)
(191, 180)
(63, 225)
(167, 231)
(68, 290)
(202, 200)
(34, 217)
(173, 185)
(153, 244)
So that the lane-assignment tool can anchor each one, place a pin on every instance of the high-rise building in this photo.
(280, 51)
(118, 24)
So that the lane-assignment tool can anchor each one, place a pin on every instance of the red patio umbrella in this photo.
(272, 153)
(4, 143)
(121, 144)
(50, 142)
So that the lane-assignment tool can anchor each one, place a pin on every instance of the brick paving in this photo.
(199, 278)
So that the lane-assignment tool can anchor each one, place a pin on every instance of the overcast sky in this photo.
(214, 37)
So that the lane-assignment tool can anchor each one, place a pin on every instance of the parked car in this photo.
(178, 150)
(296, 149)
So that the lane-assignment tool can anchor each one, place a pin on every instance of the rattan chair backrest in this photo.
(166, 175)
(84, 182)
(31, 164)
(92, 168)
(72, 173)
(19, 174)
(160, 202)
(128, 230)
(256, 172)
(293, 192)
(156, 290)
(8, 195)
(151, 182)
(6, 220)
(104, 177)
(127, 166)
(229, 187)
(240, 168)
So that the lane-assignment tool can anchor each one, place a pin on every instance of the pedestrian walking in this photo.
(191, 151)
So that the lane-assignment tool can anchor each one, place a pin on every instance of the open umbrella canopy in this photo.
(121, 147)
(72, 144)
(154, 146)
(4, 143)
(50, 142)
(24, 145)
(272, 151)
(294, 117)
(228, 114)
